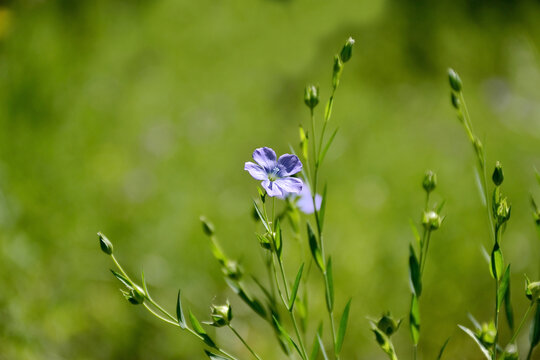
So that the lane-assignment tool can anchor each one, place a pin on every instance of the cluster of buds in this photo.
(221, 315)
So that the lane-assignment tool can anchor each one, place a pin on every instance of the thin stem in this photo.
(121, 269)
(531, 305)
(244, 342)
(152, 311)
(496, 305)
(529, 354)
(415, 351)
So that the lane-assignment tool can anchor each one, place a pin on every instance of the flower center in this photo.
(273, 174)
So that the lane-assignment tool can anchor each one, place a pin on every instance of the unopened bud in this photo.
(487, 334)
(498, 176)
(221, 315)
(503, 211)
(533, 290)
(208, 227)
(346, 51)
(135, 295)
(431, 220)
(430, 181)
(106, 245)
(388, 325)
(455, 81)
(338, 66)
(232, 270)
(311, 96)
(455, 100)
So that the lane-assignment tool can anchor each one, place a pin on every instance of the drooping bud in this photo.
(454, 79)
(105, 244)
(346, 51)
(498, 176)
(311, 96)
(387, 324)
(431, 220)
(430, 181)
(455, 100)
(208, 227)
(221, 315)
(338, 66)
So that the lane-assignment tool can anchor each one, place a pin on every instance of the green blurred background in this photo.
(135, 117)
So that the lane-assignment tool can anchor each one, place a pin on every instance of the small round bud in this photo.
(135, 295)
(208, 227)
(533, 290)
(431, 220)
(487, 334)
(346, 51)
(387, 324)
(498, 176)
(455, 100)
(221, 315)
(503, 211)
(311, 96)
(430, 181)
(455, 81)
(106, 245)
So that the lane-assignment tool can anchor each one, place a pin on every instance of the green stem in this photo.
(531, 305)
(244, 342)
(529, 354)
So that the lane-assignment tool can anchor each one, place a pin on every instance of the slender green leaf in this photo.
(145, 287)
(329, 277)
(253, 303)
(503, 287)
(477, 341)
(327, 146)
(179, 312)
(314, 247)
(322, 210)
(439, 357)
(414, 273)
(122, 279)
(328, 109)
(263, 219)
(415, 233)
(294, 290)
(342, 327)
(496, 262)
(508, 309)
(414, 319)
(213, 356)
(200, 330)
(534, 333)
(321, 345)
(278, 239)
(316, 346)
(285, 334)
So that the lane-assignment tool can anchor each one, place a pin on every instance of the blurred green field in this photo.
(136, 117)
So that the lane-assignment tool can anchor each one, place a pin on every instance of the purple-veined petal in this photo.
(289, 185)
(289, 165)
(256, 171)
(271, 188)
(265, 157)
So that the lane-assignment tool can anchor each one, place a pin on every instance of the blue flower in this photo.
(305, 202)
(275, 173)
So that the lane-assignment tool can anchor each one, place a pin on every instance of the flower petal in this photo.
(265, 157)
(255, 170)
(289, 164)
(289, 185)
(271, 188)
(305, 203)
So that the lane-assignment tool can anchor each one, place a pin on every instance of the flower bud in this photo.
(430, 181)
(208, 227)
(533, 290)
(455, 81)
(221, 315)
(106, 245)
(455, 100)
(487, 334)
(503, 211)
(498, 176)
(346, 51)
(338, 66)
(387, 324)
(431, 220)
(135, 295)
(232, 270)
(311, 96)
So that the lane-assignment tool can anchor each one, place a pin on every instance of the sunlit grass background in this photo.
(135, 117)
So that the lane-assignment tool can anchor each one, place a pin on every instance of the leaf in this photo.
(122, 279)
(415, 233)
(322, 210)
(327, 146)
(304, 142)
(442, 349)
(145, 288)
(286, 335)
(278, 239)
(294, 290)
(259, 213)
(328, 109)
(414, 320)
(179, 312)
(321, 345)
(473, 336)
(503, 287)
(253, 303)
(329, 277)
(414, 273)
(496, 262)
(342, 327)
(199, 330)
(508, 309)
(213, 356)
(315, 348)
(314, 247)
(534, 333)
